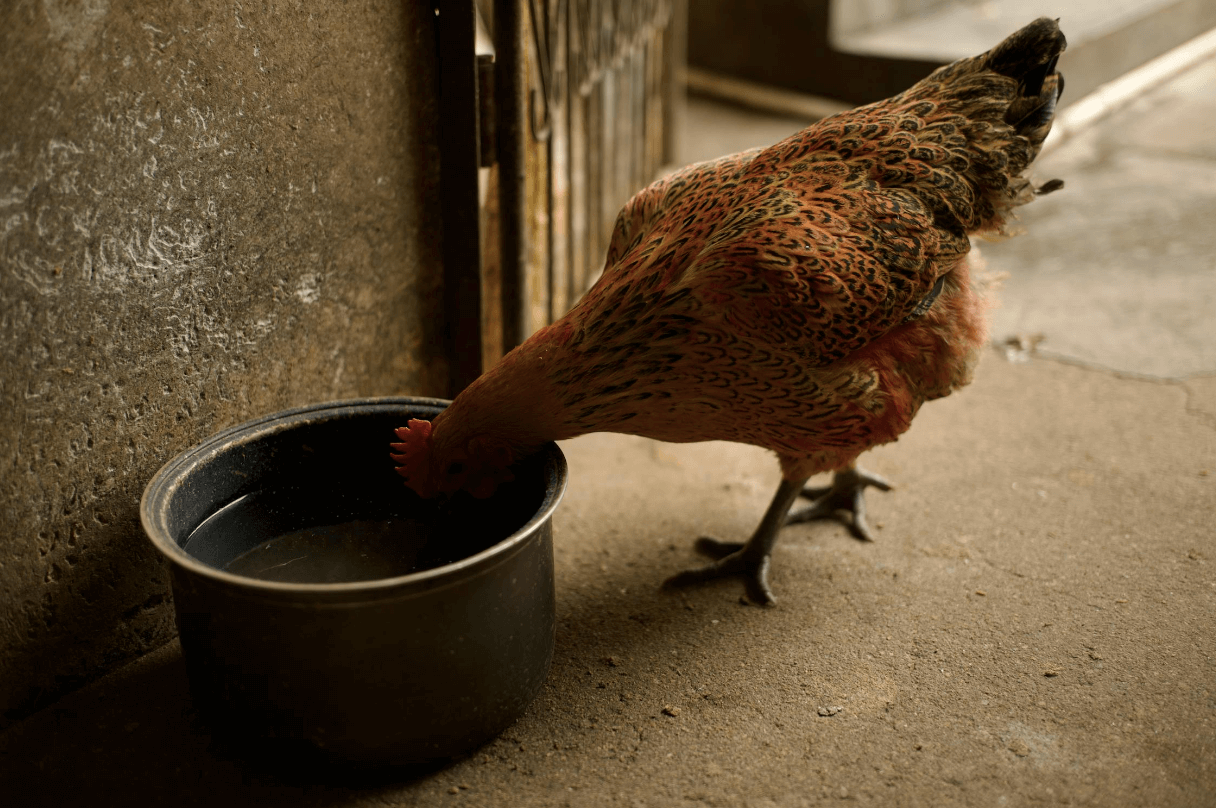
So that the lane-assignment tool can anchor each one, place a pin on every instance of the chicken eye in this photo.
(456, 468)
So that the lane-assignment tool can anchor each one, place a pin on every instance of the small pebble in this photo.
(670, 710)
(829, 711)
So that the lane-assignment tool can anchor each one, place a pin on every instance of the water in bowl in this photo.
(332, 536)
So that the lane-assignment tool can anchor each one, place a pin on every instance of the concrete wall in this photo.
(787, 44)
(209, 210)
(851, 16)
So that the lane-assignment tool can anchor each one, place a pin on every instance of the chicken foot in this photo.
(750, 560)
(846, 493)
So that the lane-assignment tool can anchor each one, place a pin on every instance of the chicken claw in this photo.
(754, 571)
(748, 560)
(846, 493)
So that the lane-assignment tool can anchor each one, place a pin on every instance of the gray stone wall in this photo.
(852, 16)
(209, 210)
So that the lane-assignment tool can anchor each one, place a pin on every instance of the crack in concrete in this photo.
(1045, 583)
(1127, 375)
(1204, 417)
(979, 556)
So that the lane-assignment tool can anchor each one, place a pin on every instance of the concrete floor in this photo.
(1033, 626)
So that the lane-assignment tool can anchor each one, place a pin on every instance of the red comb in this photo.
(413, 456)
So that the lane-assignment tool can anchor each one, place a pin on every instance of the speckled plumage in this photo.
(764, 297)
(807, 297)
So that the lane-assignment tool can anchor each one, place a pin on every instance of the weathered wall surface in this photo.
(209, 210)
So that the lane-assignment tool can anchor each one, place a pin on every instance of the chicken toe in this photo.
(751, 567)
(846, 493)
(750, 560)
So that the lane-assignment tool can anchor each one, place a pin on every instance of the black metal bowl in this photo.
(411, 669)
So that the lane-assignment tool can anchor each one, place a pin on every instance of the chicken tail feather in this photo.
(1030, 56)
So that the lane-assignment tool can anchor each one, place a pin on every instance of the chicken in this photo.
(807, 297)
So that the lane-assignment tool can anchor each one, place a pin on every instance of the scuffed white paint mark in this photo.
(339, 363)
(67, 182)
(309, 288)
(13, 222)
(158, 256)
(54, 145)
(35, 271)
(15, 196)
(153, 33)
(73, 22)
(81, 222)
(30, 392)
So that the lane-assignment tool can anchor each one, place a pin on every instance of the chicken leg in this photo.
(748, 560)
(846, 493)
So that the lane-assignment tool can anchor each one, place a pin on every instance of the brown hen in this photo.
(807, 298)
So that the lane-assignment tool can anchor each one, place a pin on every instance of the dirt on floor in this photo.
(1032, 624)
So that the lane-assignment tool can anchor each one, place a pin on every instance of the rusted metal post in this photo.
(512, 124)
(459, 144)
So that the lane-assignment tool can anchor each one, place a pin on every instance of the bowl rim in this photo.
(153, 508)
